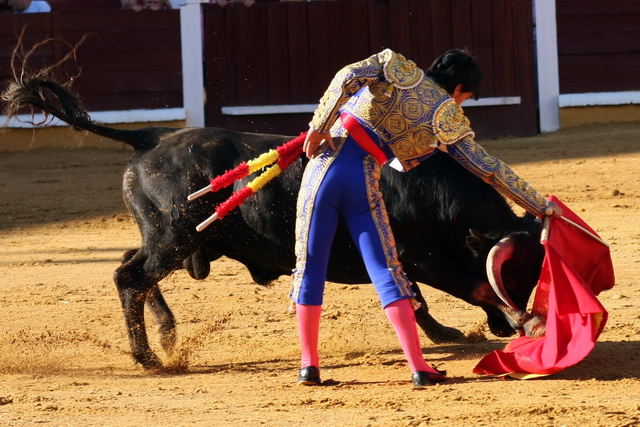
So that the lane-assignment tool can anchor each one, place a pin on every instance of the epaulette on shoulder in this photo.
(450, 124)
(399, 71)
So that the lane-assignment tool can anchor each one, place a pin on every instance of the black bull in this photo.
(445, 221)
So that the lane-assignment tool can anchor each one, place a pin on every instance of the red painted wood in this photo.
(598, 45)
(286, 53)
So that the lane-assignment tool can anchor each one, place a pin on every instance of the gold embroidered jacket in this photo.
(412, 115)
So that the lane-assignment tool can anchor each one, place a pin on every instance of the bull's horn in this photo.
(500, 252)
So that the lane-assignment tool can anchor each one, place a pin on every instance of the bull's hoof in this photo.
(434, 330)
(444, 334)
(167, 338)
(149, 361)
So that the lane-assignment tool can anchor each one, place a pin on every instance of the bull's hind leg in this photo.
(157, 306)
(133, 290)
(434, 330)
(165, 322)
(137, 283)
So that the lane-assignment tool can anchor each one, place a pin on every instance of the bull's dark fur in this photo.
(445, 220)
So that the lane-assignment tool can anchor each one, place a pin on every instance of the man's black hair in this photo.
(456, 67)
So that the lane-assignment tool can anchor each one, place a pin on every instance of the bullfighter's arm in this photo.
(492, 170)
(386, 66)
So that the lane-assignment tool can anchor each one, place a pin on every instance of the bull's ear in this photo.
(477, 242)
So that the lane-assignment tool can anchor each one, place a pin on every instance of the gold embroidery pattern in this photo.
(395, 124)
(430, 94)
(423, 140)
(381, 221)
(450, 123)
(473, 157)
(403, 149)
(402, 73)
(412, 109)
(371, 112)
(344, 85)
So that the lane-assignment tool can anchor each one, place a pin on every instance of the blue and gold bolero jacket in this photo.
(412, 116)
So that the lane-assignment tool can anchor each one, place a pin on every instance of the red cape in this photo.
(576, 268)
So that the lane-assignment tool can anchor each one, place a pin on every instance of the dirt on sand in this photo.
(64, 357)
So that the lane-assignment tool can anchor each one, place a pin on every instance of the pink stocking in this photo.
(400, 314)
(308, 330)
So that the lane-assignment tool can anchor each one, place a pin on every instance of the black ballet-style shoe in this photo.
(309, 376)
(424, 378)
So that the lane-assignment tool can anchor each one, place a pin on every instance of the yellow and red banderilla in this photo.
(282, 156)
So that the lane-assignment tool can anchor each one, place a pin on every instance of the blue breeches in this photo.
(345, 183)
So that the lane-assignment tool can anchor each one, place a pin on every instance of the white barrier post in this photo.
(192, 62)
(547, 59)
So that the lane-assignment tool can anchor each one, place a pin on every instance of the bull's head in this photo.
(513, 266)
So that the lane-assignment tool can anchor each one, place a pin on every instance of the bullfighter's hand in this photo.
(553, 210)
(313, 141)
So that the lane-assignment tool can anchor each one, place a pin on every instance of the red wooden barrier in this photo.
(598, 45)
(130, 60)
(287, 53)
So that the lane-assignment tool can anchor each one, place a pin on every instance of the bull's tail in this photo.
(56, 100)
(40, 90)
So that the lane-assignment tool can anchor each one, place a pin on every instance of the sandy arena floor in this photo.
(63, 348)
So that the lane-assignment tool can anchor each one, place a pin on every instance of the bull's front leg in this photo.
(434, 330)
(132, 300)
